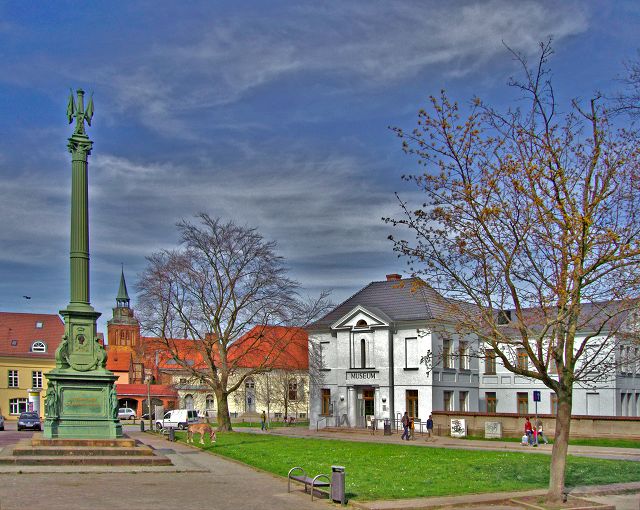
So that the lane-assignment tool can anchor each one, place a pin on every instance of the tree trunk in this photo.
(560, 449)
(224, 420)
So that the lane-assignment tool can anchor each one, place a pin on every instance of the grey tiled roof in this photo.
(401, 300)
(412, 299)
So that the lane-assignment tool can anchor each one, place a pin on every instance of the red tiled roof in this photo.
(272, 346)
(20, 328)
(156, 390)
(118, 361)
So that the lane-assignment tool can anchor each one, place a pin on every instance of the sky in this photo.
(275, 115)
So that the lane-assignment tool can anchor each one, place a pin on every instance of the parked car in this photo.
(29, 420)
(178, 418)
(1, 422)
(126, 413)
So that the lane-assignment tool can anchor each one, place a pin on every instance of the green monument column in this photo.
(81, 400)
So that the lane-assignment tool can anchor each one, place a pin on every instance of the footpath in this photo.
(198, 480)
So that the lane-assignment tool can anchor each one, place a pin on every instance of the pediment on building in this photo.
(362, 318)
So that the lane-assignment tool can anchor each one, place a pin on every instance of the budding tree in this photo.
(535, 212)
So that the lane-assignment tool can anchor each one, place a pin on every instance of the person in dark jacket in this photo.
(406, 421)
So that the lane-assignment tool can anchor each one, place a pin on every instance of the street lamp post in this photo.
(149, 401)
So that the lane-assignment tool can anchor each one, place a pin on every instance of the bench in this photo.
(320, 480)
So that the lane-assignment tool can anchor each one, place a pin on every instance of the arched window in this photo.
(188, 401)
(363, 353)
(293, 390)
(361, 324)
(38, 346)
(210, 402)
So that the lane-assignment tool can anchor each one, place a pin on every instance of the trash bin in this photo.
(337, 485)
(141, 425)
(387, 427)
(172, 434)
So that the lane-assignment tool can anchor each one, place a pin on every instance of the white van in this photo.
(178, 419)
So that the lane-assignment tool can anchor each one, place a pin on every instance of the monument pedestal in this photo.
(85, 405)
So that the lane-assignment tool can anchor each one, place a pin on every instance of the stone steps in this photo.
(38, 440)
(85, 460)
(78, 452)
(57, 451)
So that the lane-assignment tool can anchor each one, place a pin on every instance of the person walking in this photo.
(429, 427)
(263, 421)
(540, 430)
(528, 430)
(405, 425)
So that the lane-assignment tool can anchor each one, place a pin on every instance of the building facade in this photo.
(28, 342)
(393, 347)
(375, 350)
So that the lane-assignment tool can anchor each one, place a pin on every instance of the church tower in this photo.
(123, 330)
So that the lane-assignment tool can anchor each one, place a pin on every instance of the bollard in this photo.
(387, 427)
(172, 434)
(141, 425)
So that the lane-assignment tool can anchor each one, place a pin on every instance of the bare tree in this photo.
(201, 298)
(535, 213)
(628, 100)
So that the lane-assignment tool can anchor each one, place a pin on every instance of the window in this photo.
(492, 402)
(13, 378)
(411, 353)
(412, 403)
(361, 324)
(324, 355)
(36, 379)
(523, 403)
(523, 359)
(183, 380)
(447, 362)
(39, 324)
(17, 405)
(463, 351)
(188, 401)
(210, 402)
(489, 361)
(463, 401)
(293, 390)
(363, 353)
(14, 343)
(448, 400)
(38, 346)
(326, 402)
(554, 403)
(504, 317)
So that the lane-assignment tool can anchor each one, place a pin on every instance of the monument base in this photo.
(83, 405)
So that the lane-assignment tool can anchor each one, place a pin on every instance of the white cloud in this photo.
(373, 44)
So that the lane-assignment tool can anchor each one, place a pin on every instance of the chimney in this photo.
(394, 277)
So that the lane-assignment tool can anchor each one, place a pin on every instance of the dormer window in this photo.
(362, 324)
(504, 317)
(39, 324)
(38, 346)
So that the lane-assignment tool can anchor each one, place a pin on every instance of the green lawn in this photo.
(385, 471)
(273, 424)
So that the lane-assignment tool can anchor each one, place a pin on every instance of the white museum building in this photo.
(377, 361)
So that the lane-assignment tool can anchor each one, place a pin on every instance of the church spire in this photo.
(122, 299)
